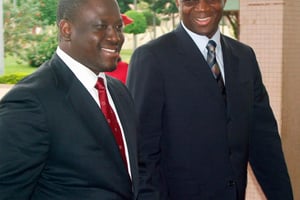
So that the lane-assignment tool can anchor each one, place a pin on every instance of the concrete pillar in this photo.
(272, 28)
(291, 91)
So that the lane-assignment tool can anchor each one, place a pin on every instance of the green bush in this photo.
(42, 50)
(139, 24)
(12, 78)
(149, 18)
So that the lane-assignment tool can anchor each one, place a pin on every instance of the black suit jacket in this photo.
(56, 144)
(193, 144)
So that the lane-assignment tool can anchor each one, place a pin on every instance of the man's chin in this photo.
(112, 68)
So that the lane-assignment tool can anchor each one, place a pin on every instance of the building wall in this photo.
(291, 91)
(271, 27)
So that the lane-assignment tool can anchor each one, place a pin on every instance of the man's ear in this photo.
(65, 29)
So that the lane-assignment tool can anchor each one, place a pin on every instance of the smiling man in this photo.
(204, 114)
(68, 131)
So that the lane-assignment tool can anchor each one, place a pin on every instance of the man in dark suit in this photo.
(55, 142)
(197, 137)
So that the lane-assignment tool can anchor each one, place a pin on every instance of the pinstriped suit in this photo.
(192, 145)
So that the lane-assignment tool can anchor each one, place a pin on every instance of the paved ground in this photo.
(4, 88)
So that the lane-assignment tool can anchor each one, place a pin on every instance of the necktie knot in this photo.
(100, 84)
(211, 55)
(211, 46)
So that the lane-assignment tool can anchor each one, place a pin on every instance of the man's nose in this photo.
(202, 5)
(113, 34)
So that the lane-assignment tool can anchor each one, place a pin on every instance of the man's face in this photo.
(201, 16)
(96, 35)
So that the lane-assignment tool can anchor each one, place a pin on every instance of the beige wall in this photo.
(291, 91)
(272, 28)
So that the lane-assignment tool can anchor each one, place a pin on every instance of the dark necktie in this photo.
(213, 64)
(110, 117)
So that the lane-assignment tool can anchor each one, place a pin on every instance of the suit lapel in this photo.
(128, 128)
(231, 62)
(87, 109)
(193, 61)
(231, 68)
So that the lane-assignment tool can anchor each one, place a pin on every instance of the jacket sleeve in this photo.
(23, 144)
(145, 84)
(266, 155)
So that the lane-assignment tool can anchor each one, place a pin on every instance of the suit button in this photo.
(231, 183)
(230, 152)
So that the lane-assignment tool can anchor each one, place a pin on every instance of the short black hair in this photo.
(67, 9)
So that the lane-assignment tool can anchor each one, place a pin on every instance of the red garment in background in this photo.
(120, 72)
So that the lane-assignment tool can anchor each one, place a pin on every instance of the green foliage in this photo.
(166, 7)
(19, 24)
(47, 10)
(12, 78)
(150, 18)
(162, 8)
(124, 5)
(42, 50)
(18, 2)
(26, 33)
(139, 24)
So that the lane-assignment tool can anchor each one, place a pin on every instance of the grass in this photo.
(126, 54)
(13, 65)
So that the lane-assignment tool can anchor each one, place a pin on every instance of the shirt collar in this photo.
(83, 73)
(201, 40)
